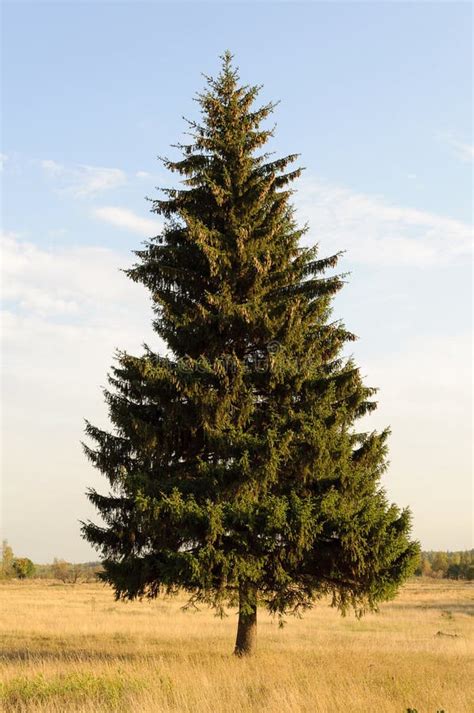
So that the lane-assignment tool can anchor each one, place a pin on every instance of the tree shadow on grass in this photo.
(453, 607)
(75, 655)
(84, 655)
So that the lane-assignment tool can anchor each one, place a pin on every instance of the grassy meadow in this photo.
(71, 647)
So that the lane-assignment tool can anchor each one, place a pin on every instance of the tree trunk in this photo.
(247, 626)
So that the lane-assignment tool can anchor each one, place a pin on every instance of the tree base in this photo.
(246, 641)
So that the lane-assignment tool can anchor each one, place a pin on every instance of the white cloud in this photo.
(377, 232)
(66, 310)
(84, 281)
(424, 396)
(52, 167)
(461, 149)
(3, 160)
(143, 174)
(126, 219)
(82, 180)
(464, 151)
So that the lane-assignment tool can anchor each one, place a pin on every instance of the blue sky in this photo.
(377, 99)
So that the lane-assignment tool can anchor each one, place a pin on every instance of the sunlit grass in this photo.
(107, 692)
(72, 647)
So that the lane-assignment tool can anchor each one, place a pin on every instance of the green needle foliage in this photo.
(235, 465)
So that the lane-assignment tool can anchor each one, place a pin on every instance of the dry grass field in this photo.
(73, 648)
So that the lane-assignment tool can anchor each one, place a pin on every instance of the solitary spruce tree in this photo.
(235, 467)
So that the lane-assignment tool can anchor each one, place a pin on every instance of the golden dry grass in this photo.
(72, 647)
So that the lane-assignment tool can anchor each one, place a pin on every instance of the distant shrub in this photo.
(23, 567)
(64, 571)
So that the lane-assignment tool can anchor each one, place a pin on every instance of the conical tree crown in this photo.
(230, 243)
(236, 460)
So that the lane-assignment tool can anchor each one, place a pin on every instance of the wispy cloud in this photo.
(3, 160)
(128, 220)
(81, 282)
(82, 180)
(52, 167)
(375, 231)
(424, 399)
(463, 150)
(65, 312)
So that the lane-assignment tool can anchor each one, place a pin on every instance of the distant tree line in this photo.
(447, 565)
(68, 572)
(23, 568)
